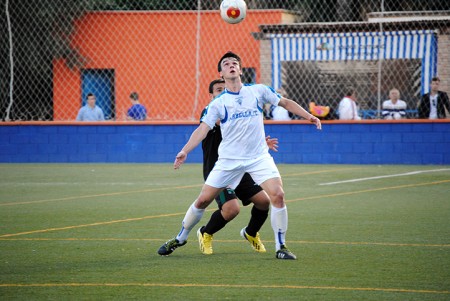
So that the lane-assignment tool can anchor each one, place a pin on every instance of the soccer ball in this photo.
(233, 11)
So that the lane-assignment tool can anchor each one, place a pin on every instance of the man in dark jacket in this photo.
(433, 104)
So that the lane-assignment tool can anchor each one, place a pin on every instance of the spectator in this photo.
(267, 111)
(433, 104)
(279, 113)
(394, 108)
(137, 110)
(90, 111)
(348, 110)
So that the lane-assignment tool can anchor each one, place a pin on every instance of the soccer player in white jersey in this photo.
(243, 149)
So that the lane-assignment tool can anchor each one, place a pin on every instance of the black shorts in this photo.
(244, 191)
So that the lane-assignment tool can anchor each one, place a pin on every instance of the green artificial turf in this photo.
(91, 232)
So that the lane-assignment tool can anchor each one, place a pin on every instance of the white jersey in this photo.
(241, 120)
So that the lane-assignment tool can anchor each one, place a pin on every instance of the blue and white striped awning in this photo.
(416, 44)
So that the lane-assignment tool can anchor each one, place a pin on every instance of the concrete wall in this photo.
(374, 142)
(154, 59)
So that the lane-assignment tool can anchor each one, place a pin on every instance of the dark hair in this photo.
(349, 91)
(89, 95)
(436, 79)
(227, 55)
(216, 81)
(134, 96)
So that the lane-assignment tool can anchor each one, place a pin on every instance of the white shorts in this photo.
(228, 173)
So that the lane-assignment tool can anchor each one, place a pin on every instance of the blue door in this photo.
(100, 82)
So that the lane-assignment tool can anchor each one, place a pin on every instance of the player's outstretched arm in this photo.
(197, 136)
(295, 108)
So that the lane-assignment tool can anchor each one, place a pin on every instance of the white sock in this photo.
(279, 220)
(192, 217)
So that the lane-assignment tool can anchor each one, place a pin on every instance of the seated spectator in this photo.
(394, 108)
(348, 110)
(90, 111)
(137, 110)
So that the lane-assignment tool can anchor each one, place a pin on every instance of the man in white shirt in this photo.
(348, 110)
(243, 149)
(394, 107)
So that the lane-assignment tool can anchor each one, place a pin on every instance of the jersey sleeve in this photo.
(203, 113)
(212, 113)
(269, 95)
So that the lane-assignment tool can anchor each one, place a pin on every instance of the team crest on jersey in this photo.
(239, 100)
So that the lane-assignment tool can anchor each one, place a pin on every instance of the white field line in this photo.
(386, 176)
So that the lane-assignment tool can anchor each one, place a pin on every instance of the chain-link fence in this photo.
(55, 52)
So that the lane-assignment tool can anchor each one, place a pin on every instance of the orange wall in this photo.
(154, 53)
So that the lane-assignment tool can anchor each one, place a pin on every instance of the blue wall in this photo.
(349, 143)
